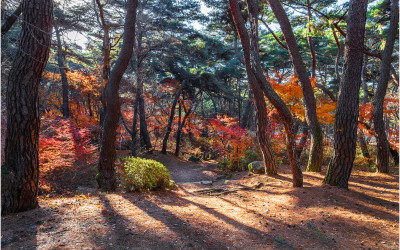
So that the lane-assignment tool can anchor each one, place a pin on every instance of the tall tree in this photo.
(346, 118)
(140, 56)
(272, 96)
(171, 117)
(382, 160)
(20, 172)
(316, 148)
(262, 119)
(61, 67)
(106, 176)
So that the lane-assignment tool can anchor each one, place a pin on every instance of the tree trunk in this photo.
(360, 134)
(309, 40)
(303, 140)
(248, 112)
(269, 92)
(90, 105)
(363, 144)
(106, 60)
(144, 133)
(9, 22)
(364, 80)
(345, 136)
(134, 128)
(338, 54)
(382, 160)
(316, 149)
(262, 123)
(106, 177)
(180, 126)
(64, 80)
(20, 172)
(171, 118)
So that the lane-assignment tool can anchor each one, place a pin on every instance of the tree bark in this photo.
(106, 59)
(303, 140)
(262, 123)
(309, 40)
(144, 133)
(64, 79)
(20, 172)
(106, 176)
(134, 127)
(89, 99)
(171, 117)
(382, 161)
(270, 93)
(363, 144)
(248, 112)
(346, 118)
(360, 134)
(180, 127)
(11, 20)
(316, 148)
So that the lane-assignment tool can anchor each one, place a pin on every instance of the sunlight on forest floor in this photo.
(254, 212)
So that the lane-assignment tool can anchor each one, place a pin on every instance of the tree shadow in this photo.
(21, 230)
(190, 236)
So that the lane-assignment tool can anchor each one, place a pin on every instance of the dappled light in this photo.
(199, 124)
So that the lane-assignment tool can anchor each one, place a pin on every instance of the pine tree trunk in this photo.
(61, 67)
(20, 172)
(248, 112)
(106, 177)
(144, 133)
(106, 61)
(309, 40)
(171, 118)
(134, 127)
(255, 67)
(262, 123)
(363, 144)
(382, 161)
(303, 140)
(316, 148)
(180, 127)
(345, 133)
(90, 105)
(360, 134)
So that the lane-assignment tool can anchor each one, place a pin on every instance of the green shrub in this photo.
(251, 156)
(144, 174)
(223, 164)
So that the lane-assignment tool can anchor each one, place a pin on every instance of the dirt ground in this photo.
(237, 212)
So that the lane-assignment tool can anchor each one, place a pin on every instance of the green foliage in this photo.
(240, 164)
(251, 156)
(144, 174)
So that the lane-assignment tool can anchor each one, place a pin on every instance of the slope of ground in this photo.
(244, 212)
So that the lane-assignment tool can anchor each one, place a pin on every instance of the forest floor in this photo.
(234, 212)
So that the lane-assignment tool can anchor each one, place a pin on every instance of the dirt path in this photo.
(256, 212)
(186, 171)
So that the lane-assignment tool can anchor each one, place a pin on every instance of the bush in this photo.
(251, 156)
(144, 174)
(241, 164)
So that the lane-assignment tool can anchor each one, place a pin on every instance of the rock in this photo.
(194, 158)
(257, 167)
(206, 182)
